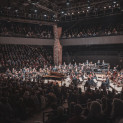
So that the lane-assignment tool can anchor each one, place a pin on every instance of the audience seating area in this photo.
(46, 32)
(92, 30)
(19, 56)
(21, 100)
(25, 30)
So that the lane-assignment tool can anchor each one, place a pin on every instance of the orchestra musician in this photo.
(92, 83)
(119, 80)
(74, 80)
(105, 83)
(78, 80)
(114, 75)
(87, 84)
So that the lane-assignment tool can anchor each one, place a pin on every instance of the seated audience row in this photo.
(19, 56)
(25, 30)
(77, 31)
(93, 30)
(22, 99)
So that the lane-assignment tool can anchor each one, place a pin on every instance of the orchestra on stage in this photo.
(76, 73)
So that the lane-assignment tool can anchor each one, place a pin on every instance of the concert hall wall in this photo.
(26, 41)
(64, 42)
(93, 40)
(112, 54)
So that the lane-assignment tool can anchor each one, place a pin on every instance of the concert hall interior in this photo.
(61, 61)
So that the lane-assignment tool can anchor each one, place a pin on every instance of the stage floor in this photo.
(67, 82)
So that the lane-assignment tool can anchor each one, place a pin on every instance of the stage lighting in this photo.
(109, 6)
(9, 7)
(35, 11)
(54, 16)
(34, 3)
(88, 1)
(62, 12)
(16, 10)
(29, 15)
(68, 3)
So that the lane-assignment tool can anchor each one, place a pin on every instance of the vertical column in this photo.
(57, 46)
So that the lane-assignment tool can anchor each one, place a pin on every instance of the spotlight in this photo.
(109, 6)
(88, 1)
(29, 15)
(45, 15)
(35, 11)
(104, 7)
(114, 2)
(16, 10)
(68, 3)
(89, 7)
(78, 12)
(62, 12)
(9, 7)
(33, 3)
(72, 13)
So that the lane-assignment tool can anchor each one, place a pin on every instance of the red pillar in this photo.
(57, 45)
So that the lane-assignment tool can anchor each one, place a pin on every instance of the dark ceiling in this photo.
(56, 10)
